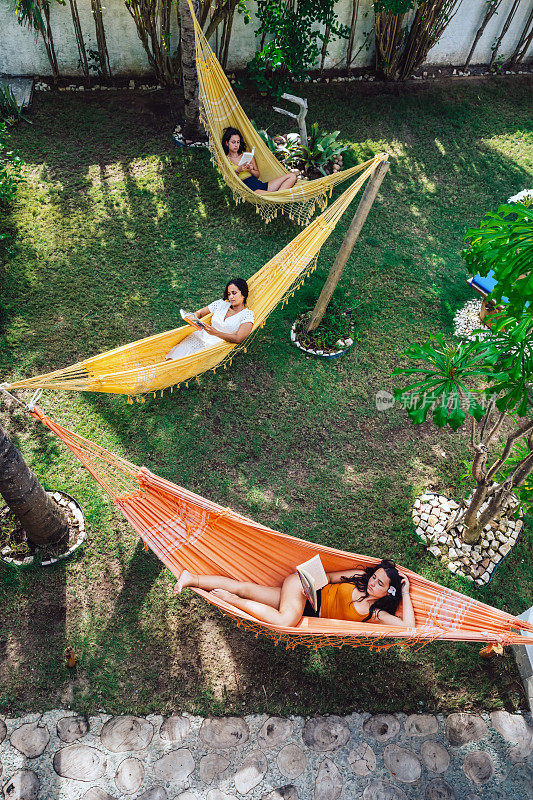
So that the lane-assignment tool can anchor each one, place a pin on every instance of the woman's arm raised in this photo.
(336, 577)
(407, 620)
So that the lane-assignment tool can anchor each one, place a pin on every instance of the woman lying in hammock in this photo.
(370, 595)
(231, 321)
(234, 146)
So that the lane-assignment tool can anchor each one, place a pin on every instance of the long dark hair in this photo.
(241, 285)
(390, 602)
(226, 136)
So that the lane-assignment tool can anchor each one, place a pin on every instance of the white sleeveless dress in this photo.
(199, 340)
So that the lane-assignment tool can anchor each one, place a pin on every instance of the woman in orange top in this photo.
(369, 595)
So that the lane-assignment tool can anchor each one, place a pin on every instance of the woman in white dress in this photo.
(231, 321)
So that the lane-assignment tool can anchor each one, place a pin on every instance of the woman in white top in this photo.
(231, 321)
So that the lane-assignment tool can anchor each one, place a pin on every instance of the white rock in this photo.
(453, 566)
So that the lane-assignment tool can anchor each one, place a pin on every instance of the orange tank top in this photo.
(336, 602)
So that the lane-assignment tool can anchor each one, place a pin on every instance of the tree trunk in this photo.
(44, 522)
(192, 130)
(491, 10)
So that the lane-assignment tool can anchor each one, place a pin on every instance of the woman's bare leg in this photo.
(283, 182)
(291, 604)
(268, 595)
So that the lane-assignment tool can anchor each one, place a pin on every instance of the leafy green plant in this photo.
(293, 31)
(503, 363)
(322, 148)
(503, 243)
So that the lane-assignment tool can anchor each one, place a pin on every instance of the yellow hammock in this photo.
(141, 367)
(186, 531)
(220, 109)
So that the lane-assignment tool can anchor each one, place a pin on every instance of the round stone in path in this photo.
(157, 793)
(30, 739)
(434, 756)
(216, 794)
(421, 725)
(382, 790)
(226, 732)
(382, 727)
(328, 783)
(292, 761)
(80, 762)
(3, 730)
(463, 728)
(362, 759)
(274, 731)
(97, 794)
(174, 766)
(439, 789)
(478, 766)
(129, 776)
(211, 766)
(402, 763)
(70, 729)
(325, 733)
(121, 734)
(515, 729)
(24, 785)
(251, 772)
(174, 729)
(283, 793)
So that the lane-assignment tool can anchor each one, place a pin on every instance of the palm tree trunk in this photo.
(44, 522)
(192, 130)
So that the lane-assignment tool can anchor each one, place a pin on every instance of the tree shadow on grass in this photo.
(291, 441)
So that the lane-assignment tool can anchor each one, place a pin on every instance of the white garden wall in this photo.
(22, 54)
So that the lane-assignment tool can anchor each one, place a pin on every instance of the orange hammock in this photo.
(187, 531)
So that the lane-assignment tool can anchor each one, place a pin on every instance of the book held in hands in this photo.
(313, 578)
(246, 158)
(191, 318)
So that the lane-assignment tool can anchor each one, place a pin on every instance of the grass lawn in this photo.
(116, 229)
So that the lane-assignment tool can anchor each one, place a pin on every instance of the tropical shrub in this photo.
(290, 35)
(321, 153)
(448, 388)
(503, 243)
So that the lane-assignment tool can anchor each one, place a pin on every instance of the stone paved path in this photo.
(62, 756)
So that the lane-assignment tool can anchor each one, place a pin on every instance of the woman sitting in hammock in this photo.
(234, 146)
(369, 595)
(231, 321)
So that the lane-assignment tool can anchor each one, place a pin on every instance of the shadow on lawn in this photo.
(261, 432)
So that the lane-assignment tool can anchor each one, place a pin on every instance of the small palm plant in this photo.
(503, 362)
(321, 152)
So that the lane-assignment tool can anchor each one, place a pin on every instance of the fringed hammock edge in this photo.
(186, 531)
(220, 109)
(140, 367)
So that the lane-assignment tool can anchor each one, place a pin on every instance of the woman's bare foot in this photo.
(185, 579)
(222, 594)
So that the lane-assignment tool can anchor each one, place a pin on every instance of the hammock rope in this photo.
(140, 367)
(220, 109)
(187, 531)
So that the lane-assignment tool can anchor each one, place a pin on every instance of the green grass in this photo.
(116, 229)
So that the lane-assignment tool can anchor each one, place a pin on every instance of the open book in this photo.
(191, 318)
(246, 158)
(313, 577)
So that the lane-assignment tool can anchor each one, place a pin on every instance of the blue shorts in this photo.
(254, 183)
